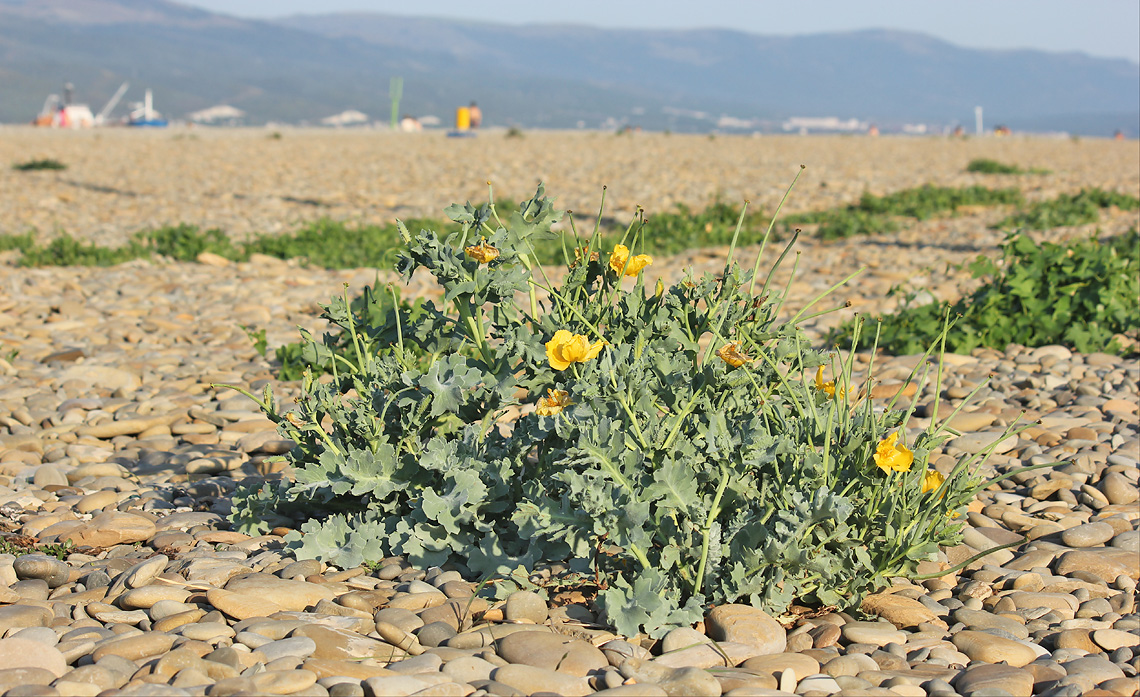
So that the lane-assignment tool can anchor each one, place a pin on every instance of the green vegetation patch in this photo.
(41, 165)
(1069, 209)
(984, 165)
(1078, 294)
(671, 447)
(877, 214)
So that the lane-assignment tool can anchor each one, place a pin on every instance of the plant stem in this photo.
(714, 511)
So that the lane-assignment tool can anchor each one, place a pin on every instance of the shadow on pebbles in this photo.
(112, 437)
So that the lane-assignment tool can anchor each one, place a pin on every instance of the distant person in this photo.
(410, 124)
(476, 115)
(959, 131)
(873, 131)
(1119, 135)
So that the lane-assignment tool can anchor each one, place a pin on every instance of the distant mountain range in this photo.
(304, 68)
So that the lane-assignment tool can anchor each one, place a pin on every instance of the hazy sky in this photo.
(1108, 28)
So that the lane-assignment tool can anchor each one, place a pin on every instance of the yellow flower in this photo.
(825, 387)
(932, 480)
(565, 348)
(731, 354)
(892, 455)
(554, 402)
(620, 259)
(482, 252)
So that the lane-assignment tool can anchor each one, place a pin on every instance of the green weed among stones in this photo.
(1068, 209)
(670, 446)
(1083, 294)
(988, 166)
(41, 165)
(877, 214)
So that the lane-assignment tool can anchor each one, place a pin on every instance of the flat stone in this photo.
(988, 648)
(16, 677)
(776, 663)
(974, 443)
(877, 633)
(1097, 668)
(26, 653)
(342, 645)
(551, 652)
(242, 606)
(526, 606)
(41, 566)
(529, 680)
(283, 682)
(744, 624)
(110, 529)
(900, 611)
(980, 678)
(1118, 489)
(1098, 563)
(1113, 639)
(20, 616)
(1088, 535)
(979, 619)
(719, 654)
(135, 647)
(288, 594)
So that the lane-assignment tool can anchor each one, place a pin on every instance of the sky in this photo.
(1103, 28)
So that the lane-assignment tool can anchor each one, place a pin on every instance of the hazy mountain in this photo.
(308, 67)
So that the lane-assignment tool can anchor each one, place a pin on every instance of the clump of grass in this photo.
(1080, 294)
(875, 214)
(514, 132)
(984, 165)
(1069, 209)
(40, 165)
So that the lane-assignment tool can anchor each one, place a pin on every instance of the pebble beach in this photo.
(113, 437)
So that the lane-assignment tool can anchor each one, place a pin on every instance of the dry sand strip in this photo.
(111, 437)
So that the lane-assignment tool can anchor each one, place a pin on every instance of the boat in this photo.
(144, 114)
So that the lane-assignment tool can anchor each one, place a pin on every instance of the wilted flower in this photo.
(584, 252)
(731, 354)
(826, 387)
(892, 455)
(620, 259)
(565, 348)
(554, 402)
(482, 252)
(932, 480)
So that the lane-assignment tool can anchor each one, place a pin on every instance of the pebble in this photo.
(119, 444)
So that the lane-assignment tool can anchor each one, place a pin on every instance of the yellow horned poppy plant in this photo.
(565, 348)
(554, 402)
(620, 257)
(731, 354)
(892, 455)
(932, 480)
(482, 252)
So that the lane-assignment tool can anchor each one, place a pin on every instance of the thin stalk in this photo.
(735, 237)
(825, 293)
(771, 224)
(714, 511)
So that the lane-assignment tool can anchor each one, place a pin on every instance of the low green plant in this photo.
(676, 446)
(1080, 294)
(984, 165)
(40, 165)
(876, 214)
(1065, 210)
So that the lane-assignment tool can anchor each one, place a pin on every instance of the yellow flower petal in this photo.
(565, 348)
(620, 261)
(891, 455)
(932, 480)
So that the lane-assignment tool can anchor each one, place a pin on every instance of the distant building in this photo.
(832, 124)
(352, 117)
(222, 113)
